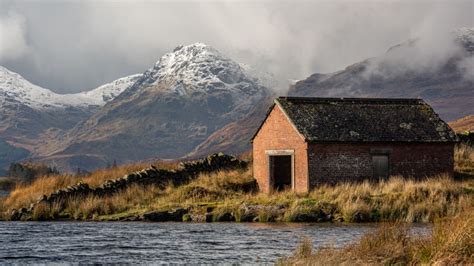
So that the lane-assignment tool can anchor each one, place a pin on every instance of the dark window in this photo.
(380, 166)
(280, 172)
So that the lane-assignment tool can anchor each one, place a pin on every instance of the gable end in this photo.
(270, 110)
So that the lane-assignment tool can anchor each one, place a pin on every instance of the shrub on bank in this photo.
(7, 183)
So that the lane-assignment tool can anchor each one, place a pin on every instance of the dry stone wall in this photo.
(151, 175)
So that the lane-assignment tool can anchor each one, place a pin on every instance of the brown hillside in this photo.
(463, 124)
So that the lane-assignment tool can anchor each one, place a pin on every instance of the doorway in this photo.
(380, 166)
(281, 172)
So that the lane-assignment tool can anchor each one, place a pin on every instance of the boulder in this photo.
(15, 215)
(247, 217)
(177, 215)
(225, 217)
(156, 216)
(165, 216)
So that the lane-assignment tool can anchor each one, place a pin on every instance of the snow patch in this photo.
(14, 89)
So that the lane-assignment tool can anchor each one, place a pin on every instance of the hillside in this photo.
(189, 94)
(30, 114)
(463, 124)
(410, 70)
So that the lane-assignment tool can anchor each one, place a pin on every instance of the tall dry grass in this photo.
(464, 160)
(451, 242)
(25, 194)
(397, 199)
(133, 199)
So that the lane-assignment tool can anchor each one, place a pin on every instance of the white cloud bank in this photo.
(79, 45)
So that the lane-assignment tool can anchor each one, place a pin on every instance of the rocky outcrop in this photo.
(148, 176)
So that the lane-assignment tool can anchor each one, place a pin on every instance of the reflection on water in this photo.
(127, 242)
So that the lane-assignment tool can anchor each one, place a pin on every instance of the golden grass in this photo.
(397, 199)
(206, 188)
(24, 194)
(451, 243)
(464, 160)
(134, 198)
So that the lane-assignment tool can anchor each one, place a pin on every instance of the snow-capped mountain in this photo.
(195, 67)
(200, 69)
(189, 94)
(107, 92)
(31, 115)
(14, 90)
(443, 75)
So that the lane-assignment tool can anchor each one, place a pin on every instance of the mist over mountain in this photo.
(440, 73)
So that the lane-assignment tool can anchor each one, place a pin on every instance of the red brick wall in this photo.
(277, 133)
(332, 163)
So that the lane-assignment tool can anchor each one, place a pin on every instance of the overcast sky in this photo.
(71, 46)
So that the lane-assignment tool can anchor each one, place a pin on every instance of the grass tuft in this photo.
(450, 243)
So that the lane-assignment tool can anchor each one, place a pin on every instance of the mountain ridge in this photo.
(187, 95)
(444, 81)
(30, 114)
(14, 88)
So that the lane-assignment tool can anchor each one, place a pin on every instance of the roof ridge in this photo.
(352, 100)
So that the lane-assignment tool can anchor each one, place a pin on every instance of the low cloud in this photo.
(12, 37)
(80, 45)
(434, 42)
(467, 66)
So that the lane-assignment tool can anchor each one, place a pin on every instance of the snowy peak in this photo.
(16, 90)
(109, 91)
(196, 67)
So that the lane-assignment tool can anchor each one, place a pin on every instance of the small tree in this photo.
(28, 171)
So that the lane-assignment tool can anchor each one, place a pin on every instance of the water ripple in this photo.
(135, 242)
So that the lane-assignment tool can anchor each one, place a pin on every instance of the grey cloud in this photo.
(74, 46)
(12, 37)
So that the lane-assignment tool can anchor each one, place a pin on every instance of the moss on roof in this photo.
(365, 120)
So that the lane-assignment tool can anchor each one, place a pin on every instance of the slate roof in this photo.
(365, 120)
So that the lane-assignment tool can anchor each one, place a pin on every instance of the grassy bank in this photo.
(451, 242)
(227, 196)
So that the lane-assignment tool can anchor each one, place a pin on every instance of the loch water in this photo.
(140, 242)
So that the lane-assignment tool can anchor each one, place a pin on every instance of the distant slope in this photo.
(235, 137)
(9, 154)
(188, 95)
(463, 124)
(445, 79)
(31, 115)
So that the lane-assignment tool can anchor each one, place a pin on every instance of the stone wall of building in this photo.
(332, 163)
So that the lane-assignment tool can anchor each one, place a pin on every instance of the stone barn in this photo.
(304, 142)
